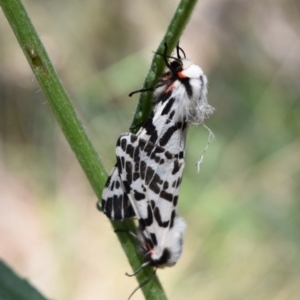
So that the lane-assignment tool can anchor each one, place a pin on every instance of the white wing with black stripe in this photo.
(151, 177)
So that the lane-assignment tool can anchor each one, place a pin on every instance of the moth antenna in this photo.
(141, 91)
(167, 56)
(178, 49)
(139, 269)
(211, 137)
(144, 283)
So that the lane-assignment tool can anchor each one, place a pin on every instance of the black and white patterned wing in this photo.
(151, 177)
(115, 202)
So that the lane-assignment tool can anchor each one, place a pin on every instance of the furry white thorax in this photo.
(195, 108)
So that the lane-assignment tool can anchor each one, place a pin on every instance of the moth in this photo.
(146, 179)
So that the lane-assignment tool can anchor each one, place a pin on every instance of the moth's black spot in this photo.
(165, 195)
(128, 168)
(123, 144)
(148, 120)
(117, 199)
(163, 259)
(166, 185)
(144, 189)
(155, 157)
(142, 224)
(114, 207)
(151, 129)
(157, 217)
(178, 182)
(138, 196)
(103, 203)
(117, 207)
(168, 155)
(170, 117)
(112, 186)
(153, 239)
(130, 150)
(119, 142)
(181, 154)
(107, 181)
(184, 125)
(136, 155)
(148, 149)
(156, 150)
(187, 85)
(179, 124)
(107, 206)
(172, 218)
(149, 175)
(149, 220)
(126, 187)
(135, 176)
(175, 200)
(153, 180)
(152, 204)
(141, 144)
(174, 183)
(119, 165)
(122, 162)
(176, 168)
(143, 167)
(161, 162)
(154, 184)
(117, 184)
(168, 106)
(159, 149)
(167, 135)
(128, 210)
(133, 138)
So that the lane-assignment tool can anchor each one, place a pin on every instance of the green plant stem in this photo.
(55, 93)
(73, 130)
(171, 38)
(71, 126)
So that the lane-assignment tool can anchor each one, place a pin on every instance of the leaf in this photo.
(12, 287)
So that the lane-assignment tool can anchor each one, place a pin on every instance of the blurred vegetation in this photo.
(242, 210)
(14, 288)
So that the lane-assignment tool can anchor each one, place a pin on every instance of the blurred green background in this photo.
(242, 209)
